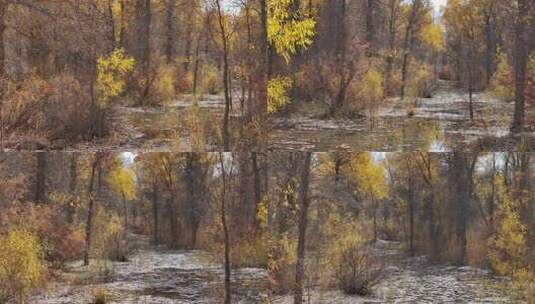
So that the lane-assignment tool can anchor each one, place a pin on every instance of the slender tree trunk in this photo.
(89, 221)
(122, 30)
(155, 211)
(170, 34)
(374, 203)
(225, 230)
(411, 214)
(226, 79)
(73, 175)
(391, 40)
(341, 54)
(490, 49)
(408, 44)
(460, 166)
(370, 28)
(40, 178)
(303, 222)
(470, 82)
(125, 209)
(3, 10)
(111, 22)
(257, 190)
(145, 32)
(196, 65)
(520, 66)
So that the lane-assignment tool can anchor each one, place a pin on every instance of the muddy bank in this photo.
(181, 125)
(438, 124)
(415, 280)
(161, 276)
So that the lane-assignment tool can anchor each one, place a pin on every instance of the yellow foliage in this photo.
(501, 83)
(371, 89)
(21, 264)
(278, 93)
(108, 241)
(369, 176)
(281, 263)
(262, 212)
(250, 253)
(164, 86)
(508, 246)
(432, 35)
(421, 82)
(122, 181)
(211, 82)
(288, 31)
(110, 73)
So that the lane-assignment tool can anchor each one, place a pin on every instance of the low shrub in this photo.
(100, 296)
(109, 237)
(356, 269)
(281, 263)
(22, 266)
(54, 109)
(350, 260)
(278, 93)
(421, 81)
(62, 241)
(250, 253)
(502, 83)
(164, 84)
(210, 80)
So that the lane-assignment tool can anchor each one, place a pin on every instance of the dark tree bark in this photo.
(73, 176)
(3, 9)
(392, 25)
(257, 185)
(303, 222)
(226, 79)
(370, 28)
(461, 178)
(90, 210)
(408, 44)
(155, 207)
(170, 27)
(411, 205)
(144, 10)
(520, 65)
(40, 178)
(225, 229)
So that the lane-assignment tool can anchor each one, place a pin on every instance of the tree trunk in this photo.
(374, 203)
(411, 214)
(341, 54)
(470, 82)
(225, 230)
(392, 40)
(408, 45)
(226, 79)
(125, 210)
(170, 34)
(196, 66)
(370, 29)
(122, 30)
(3, 9)
(155, 211)
(257, 189)
(40, 178)
(145, 41)
(89, 222)
(460, 167)
(303, 222)
(520, 66)
(72, 184)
